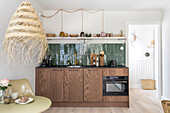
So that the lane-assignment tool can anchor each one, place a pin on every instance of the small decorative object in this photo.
(111, 35)
(101, 58)
(14, 95)
(152, 44)
(98, 35)
(103, 34)
(88, 35)
(65, 34)
(25, 40)
(73, 35)
(107, 34)
(147, 54)
(61, 34)
(121, 33)
(3, 86)
(166, 106)
(82, 34)
(7, 99)
(50, 35)
(94, 35)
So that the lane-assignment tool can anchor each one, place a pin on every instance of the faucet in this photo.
(75, 54)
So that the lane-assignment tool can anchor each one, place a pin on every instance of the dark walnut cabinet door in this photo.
(43, 82)
(73, 85)
(93, 85)
(57, 85)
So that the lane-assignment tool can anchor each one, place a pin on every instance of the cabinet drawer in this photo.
(116, 72)
(115, 98)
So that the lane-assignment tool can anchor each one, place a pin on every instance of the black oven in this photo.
(115, 86)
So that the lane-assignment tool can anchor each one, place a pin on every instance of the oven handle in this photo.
(116, 82)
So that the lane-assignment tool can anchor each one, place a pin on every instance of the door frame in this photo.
(159, 23)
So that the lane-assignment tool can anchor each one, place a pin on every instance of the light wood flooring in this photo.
(141, 101)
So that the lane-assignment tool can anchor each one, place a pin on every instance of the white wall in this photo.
(140, 66)
(166, 53)
(7, 9)
(114, 21)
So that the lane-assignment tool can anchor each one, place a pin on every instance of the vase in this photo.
(2, 95)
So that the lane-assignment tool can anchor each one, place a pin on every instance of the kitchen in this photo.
(87, 59)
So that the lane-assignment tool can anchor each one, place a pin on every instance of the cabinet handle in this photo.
(73, 70)
(92, 70)
(57, 70)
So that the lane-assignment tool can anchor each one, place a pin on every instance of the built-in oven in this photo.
(115, 86)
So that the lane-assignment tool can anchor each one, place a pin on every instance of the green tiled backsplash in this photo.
(61, 53)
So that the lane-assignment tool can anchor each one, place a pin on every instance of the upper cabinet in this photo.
(93, 85)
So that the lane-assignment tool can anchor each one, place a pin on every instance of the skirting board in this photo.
(164, 98)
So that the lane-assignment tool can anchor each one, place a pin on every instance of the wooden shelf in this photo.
(55, 40)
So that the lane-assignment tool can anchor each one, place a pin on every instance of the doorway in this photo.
(144, 58)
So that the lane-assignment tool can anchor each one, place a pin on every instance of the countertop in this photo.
(82, 67)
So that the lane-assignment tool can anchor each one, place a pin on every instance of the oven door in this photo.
(112, 88)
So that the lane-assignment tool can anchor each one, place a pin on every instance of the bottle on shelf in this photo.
(97, 61)
(94, 62)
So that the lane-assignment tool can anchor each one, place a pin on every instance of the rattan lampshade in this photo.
(25, 39)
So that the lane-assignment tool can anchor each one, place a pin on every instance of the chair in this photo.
(166, 106)
(21, 86)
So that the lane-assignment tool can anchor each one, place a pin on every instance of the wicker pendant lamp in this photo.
(25, 40)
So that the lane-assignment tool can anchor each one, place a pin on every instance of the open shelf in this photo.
(55, 40)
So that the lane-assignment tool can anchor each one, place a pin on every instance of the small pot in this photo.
(103, 34)
(98, 35)
(82, 34)
(61, 34)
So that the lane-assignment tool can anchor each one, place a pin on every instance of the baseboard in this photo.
(164, 98)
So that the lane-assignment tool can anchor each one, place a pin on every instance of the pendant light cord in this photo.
(82, 19)
(61, 19)
(103, 20)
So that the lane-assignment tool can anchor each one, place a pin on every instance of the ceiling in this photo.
(114, 5)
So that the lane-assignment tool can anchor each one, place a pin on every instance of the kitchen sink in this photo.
(74, 66)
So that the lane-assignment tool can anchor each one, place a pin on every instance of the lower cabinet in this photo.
(77, 87)
(93, 85)
(73, 85)
(57, 85)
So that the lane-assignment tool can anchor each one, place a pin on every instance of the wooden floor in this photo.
(141, 101)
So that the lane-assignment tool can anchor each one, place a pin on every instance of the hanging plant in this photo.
(25, 40)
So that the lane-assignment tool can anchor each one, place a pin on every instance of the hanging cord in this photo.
(82, 20)
(103, 20)
(71, 12)
(61, 19)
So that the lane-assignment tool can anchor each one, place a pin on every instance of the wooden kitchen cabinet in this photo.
(116, 72)
(57, 85)
(43, 82)
(73, 85)
(93, 85)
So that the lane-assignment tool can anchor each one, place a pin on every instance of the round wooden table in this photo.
(39, 105)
